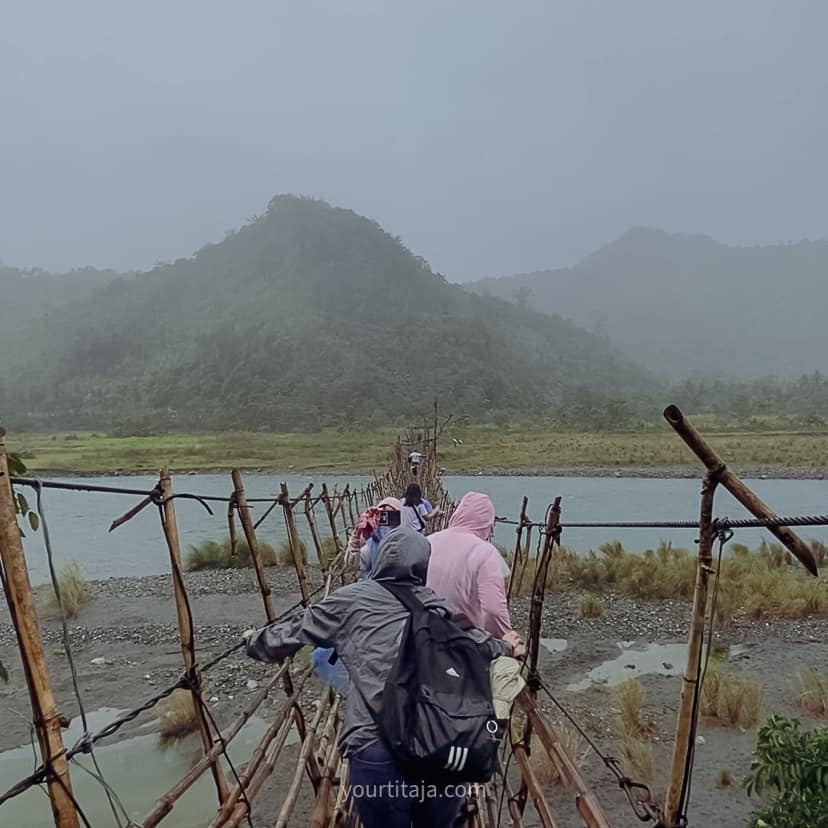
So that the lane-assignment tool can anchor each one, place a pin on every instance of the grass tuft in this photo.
(219, 555)
(724, 779)
(176, 715)
(812, 695)
(634, 745)
(729, 700)
(589, 607)
(74, 592)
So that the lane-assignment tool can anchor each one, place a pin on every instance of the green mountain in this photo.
(687, 305)
(306, 317)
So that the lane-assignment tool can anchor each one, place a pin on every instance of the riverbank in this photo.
(469, 450)
(130, 625)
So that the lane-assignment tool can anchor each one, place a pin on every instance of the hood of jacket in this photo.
(475, 513)
(402, 557)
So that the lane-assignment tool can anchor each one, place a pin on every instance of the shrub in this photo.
(731, 701)
(219, 555)
(589, 607)
(812, 696)
(792, 766)
(74, 592)
(176, 715)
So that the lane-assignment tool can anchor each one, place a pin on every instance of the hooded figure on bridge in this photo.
(467, 570)
(364, 623)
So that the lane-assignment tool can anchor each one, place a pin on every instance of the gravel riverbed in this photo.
(126, 649)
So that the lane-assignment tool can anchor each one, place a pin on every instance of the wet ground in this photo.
(131, 626)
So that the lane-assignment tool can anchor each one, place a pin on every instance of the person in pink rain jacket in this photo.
(466, 569)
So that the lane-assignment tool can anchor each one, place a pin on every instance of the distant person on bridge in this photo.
(414, 460)
(467, 569)
(365, 623)
(415, 513)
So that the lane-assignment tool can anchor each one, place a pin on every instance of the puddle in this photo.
(640, 659)
(554, 645)
(137, 769)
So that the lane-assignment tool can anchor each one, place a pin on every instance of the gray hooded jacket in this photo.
(365, 624)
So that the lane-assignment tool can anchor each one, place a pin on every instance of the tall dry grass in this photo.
(589, 606)
(74, 592)
(176, 715)
(812, 693)
(729, 700)
(763, 583)
(634, 745)
(219, 555)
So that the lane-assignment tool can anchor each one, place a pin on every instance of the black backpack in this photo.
(437, 716)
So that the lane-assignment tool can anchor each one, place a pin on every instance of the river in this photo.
(79, 522)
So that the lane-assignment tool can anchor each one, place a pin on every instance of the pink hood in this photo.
(475, 513)
(467, 570)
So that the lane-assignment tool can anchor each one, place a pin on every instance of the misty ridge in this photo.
(308, 316)
(312, 316)
(688, 307)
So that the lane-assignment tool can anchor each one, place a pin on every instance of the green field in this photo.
(484, 448)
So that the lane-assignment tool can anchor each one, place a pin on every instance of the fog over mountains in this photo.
(685, 305)
(308, 316)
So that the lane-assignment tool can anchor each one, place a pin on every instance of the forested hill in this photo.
(307, 316)
(684, 305)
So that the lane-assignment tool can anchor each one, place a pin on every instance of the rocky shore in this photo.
(126, 648)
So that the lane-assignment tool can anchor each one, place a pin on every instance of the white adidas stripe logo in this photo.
(457, 759)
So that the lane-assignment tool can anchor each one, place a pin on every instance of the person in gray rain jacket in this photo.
(364, 623)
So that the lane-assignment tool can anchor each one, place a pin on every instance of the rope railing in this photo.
(318, 755)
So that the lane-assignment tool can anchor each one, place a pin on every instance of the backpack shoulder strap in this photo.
(418, 516)
(405, 595)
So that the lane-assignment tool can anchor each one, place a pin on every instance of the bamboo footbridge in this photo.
(316, 771)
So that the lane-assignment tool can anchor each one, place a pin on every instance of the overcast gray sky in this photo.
(493, 137)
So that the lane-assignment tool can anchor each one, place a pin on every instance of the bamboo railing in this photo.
(318, 773)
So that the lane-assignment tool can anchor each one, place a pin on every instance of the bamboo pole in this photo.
(552, 536)
(278, 725)
(326, 500)
(252, 542)
(314, 531)
(304, 755)
(330, 761)
(520, 561)
(585, 800)
(185, 626)
(295, 543)
(688, 709)
(341, 508)
(166, 802)
(514, 809)
(531, 782)
(253, 784)
(338, 814)
(20, 599)
(349, 495)
(714, 464)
